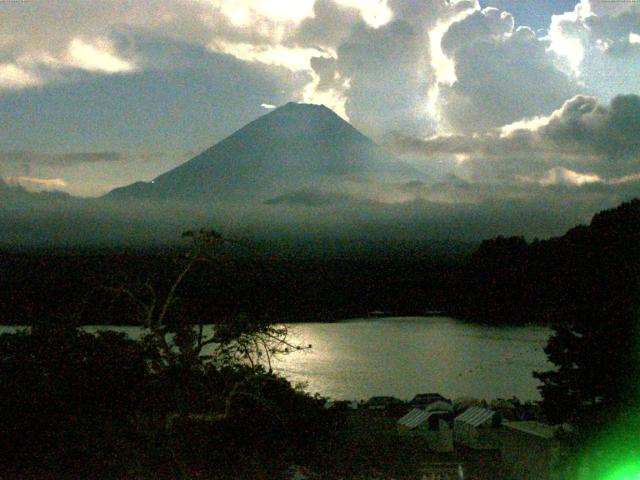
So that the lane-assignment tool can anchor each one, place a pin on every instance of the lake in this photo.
(357, 359)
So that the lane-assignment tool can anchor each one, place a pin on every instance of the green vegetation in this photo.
(97, 407)
(596, 351)
(77, 405)
(584, 276)
(268, 282)
(183, 403)
(176, 403)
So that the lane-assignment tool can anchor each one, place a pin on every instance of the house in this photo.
(529, 450)
(477, 428)
(439, 406)
(434, 427)
(344, 404)
(462, 403)
(422, 400)
(382, 403)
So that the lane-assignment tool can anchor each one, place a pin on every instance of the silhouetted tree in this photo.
(596, 351)
(67, 397)
(552, 281)
(183, 398)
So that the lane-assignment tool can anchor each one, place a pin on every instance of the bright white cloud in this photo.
(443, 66)
(97, 56)
(634, 38)
(294, 59)
(564, 176)
(13, 77)
(332, 98)
(37, 184)
(530, 124)
(244, 12)
(374, 12)
(502, 75)
(635, 177)
(568, 38)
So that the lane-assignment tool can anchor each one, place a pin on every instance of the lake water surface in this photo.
(357, 359)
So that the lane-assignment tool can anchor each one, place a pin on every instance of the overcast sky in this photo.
(524, 95)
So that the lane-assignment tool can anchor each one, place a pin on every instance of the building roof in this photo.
(383, 400)
(426, 398)
(414, 418)
(475, 416)
(417, 417)
(439, 405)
(534, 428)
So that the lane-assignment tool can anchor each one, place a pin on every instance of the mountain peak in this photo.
(305, 109)
(295, 146)
(304, 106)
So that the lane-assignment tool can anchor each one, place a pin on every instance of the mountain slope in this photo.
(575, 277)
(295, 146)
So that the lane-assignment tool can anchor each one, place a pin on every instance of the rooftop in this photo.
(533, 428)
(416, 417)
(383, 400)
(475, 416)
(428, 397)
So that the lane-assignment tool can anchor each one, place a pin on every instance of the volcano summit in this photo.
(295, 147)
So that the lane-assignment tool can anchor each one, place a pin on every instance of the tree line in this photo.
(512, 281)
(587, 285)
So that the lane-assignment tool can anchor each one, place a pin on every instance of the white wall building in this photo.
(430, 425)
(477, 428)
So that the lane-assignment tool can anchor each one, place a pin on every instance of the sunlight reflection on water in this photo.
(404, 356)
(357, 359)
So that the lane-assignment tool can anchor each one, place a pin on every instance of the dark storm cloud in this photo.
(194, 104)
(330, 25)
(386, 87)
(616, 31)
(382, 73)
(503, 75)
(482, 24)
(583, 134)
(583, 124)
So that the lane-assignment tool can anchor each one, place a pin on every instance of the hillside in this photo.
(589, 270)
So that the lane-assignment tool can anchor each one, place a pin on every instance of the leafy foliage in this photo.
(66, 394)
(171, 404)
(596, 350)
(589, 269)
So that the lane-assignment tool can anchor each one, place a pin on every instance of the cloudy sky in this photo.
(509, 96)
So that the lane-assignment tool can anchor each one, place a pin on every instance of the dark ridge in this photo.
(574, 277)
